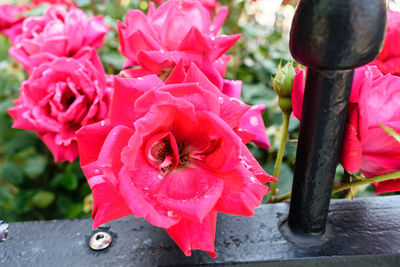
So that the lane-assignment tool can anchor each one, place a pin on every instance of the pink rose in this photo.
(210, 5)
(59, 33)
(61, 96)
(366, 146)
(169, 153)
(177, 30)
(388, 60)
(10, 22)
(251, 126)
(57, 2)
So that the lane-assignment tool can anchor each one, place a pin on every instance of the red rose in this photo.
(210, 5)
(59, 97)
(251, 126)
(169, 154)
(388, 60)
(57, 2)
(366, 146)
(58, 33)
(177, 30)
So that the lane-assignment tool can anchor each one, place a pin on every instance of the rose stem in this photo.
(281, 152)
(375, 179)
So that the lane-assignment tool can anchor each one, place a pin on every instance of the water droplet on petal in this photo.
(237, 100)
(221, 100)
(102, 123)
(254, 121)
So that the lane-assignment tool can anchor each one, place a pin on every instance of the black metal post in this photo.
(331, 37)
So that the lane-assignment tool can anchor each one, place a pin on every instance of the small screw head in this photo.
(100, 241)
(3, 231)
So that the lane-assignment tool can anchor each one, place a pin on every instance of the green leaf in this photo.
(38, 11)
(12, 173)
(35, 166)
(285, 177)
(74, 211)
(390, 131)
(19, 141)
(43, 199)
(67, 180)
(5, 105)
(116, 60)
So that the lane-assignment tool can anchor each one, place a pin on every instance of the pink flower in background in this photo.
(10, 22)
(388, 60)
(177, 30)
(169, 153)
(366, 146)
(60, 96)
(58, 33)
(59, 2)
(210, 5)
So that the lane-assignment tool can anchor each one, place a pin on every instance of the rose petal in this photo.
(190, 235)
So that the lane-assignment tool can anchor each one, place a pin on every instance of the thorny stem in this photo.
(375, 179)
(281, 152)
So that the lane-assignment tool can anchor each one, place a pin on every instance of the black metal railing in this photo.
(331, 38)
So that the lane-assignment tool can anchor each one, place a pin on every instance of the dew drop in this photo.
(102, 123)
(254, 121)
(220, 100)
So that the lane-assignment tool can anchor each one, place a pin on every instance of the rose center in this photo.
(165, 153)
(67, 98)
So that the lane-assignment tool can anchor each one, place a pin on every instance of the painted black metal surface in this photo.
(365, 232)
(328, 36)
(337, 34)
(324, 114)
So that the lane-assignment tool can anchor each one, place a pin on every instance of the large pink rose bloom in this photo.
(10, 22)
(251, 126)
(58, 33)
(366, 146)
(60, 97)
(169, 154)
(388, 60)
(177, 30)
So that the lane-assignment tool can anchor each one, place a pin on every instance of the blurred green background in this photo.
(33, 187)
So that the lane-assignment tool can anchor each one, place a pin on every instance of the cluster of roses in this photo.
(374, 102)
(165, 139)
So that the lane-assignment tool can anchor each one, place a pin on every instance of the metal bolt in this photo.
(3, 231)
(100, 241)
